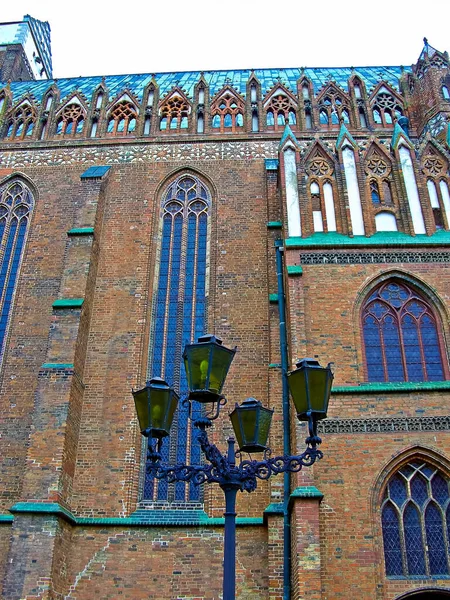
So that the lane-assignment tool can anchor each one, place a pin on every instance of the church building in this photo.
(290, 212)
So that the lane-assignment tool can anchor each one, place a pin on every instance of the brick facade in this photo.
(74, 521)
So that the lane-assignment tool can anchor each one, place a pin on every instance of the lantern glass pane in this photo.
(234, 417)
(317, 379)
(221, 359)
(297, 386)
(158, 408)
(248, 420)
(265, 419)
(196, 363)
(142, 406)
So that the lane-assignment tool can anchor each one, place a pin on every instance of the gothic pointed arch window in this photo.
(173, 114)
(16, 205)
(179, 315)
(280, 109)
(122, 119)
(402, 335)
(71, 120)
(379, 179)
(334, 106)
(435, 168)
(415, 519)
(386, 107)
(20, 122)
(227, 112)
(320, 172)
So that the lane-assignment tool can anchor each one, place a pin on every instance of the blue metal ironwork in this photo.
(231, 477)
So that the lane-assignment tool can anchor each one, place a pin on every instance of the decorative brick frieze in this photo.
(161, 152)
(391, 425)
(364, 258)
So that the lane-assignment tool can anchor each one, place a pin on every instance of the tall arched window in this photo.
(16, 204)
(402, 335)
(415, 519)
(179, 316)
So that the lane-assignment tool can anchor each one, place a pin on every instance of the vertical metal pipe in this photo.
(286, 421)
(229, 552)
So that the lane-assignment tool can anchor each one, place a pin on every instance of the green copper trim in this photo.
(47, 508)
(295, 270)
(68, 303)
(167, 518)
(81, 231)
(344, 134)
(271, 164)
(60, 366)
(275, 366)
(401, 387)
(397, 134)
(307, 491)
(6, 518)
(288, 135)
(273, 298)
(382, 238)
(274, 225)
(276, 508)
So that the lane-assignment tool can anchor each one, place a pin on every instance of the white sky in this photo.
(98, 37)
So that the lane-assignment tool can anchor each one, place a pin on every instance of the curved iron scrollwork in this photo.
(223, 469)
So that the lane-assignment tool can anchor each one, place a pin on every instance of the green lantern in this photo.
(310, 387)
(155, 406)
(207, 363)
(251, 423)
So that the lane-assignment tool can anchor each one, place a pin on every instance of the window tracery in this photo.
(228, 113)
(16, 204)
(71, 120)
(280, 110)
(378, 170)
(334, 108)
(445, 93)
(415, 519)
(179, 315)
(385, 108)
(320, 172)
(122, 119)
(402, 335)
(20, 123)
(435, 169)
(174, 114)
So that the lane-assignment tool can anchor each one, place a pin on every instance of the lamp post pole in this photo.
(310, 387)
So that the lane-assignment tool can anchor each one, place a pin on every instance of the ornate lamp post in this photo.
(207, 363)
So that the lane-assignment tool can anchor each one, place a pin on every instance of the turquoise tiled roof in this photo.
(215, 79)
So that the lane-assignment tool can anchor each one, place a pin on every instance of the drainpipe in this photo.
(286, 421)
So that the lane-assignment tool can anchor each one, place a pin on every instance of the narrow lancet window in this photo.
(16, 205)
(179, 315)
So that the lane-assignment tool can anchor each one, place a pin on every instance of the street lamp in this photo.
(207, 363)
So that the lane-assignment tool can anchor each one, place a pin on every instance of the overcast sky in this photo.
(94, 37)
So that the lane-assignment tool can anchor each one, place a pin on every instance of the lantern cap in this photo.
(307, 362)
(208, 337)
(249, 403)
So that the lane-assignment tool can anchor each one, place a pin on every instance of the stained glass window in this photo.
(16, 204)
(414, 518)
(179, 316)
(401, 336)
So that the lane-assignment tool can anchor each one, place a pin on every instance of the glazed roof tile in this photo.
(215, 79)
